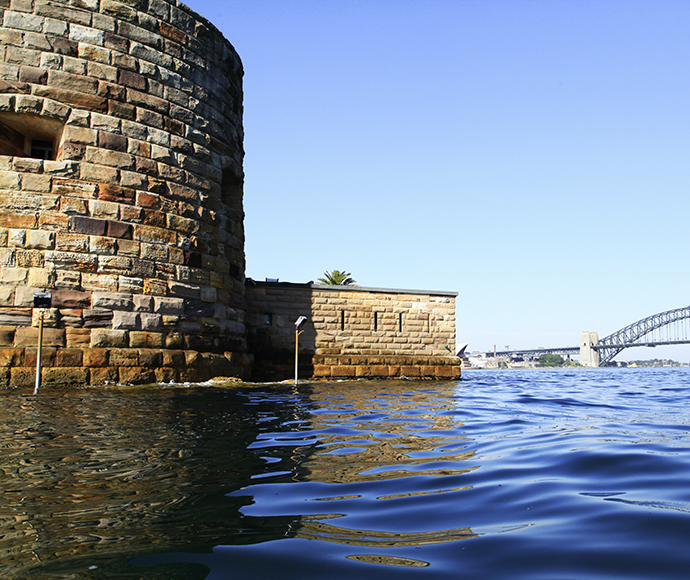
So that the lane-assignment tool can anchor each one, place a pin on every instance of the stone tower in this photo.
(120, 193)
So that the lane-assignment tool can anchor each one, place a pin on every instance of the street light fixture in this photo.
(42, 300)
(298, 324)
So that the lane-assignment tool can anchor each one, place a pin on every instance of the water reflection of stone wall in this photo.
(93, 478)
(400, 452)
(120, 192)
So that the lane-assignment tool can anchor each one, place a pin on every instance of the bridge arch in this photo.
(631, 335)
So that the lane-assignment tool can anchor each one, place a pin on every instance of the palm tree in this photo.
(337, 278)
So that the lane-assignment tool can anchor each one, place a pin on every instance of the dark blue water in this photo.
(550, 474)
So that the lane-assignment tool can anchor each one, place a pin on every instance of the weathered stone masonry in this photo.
(352, 332)
(120, 192)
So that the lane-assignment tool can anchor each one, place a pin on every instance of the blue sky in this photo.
(530, 155)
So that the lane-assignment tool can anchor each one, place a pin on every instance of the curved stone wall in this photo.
(120, 193)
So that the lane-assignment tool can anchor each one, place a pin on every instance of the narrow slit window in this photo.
(376, 320)
(342, 320)
(400, 317)
(42, 149)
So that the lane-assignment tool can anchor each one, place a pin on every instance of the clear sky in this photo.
(531, 155)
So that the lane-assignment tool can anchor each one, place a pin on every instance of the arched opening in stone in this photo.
(25, 135)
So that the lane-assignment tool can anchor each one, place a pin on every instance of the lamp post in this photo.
(41, 301)
(298, 323)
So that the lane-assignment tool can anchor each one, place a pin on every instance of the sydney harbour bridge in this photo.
(670, 327)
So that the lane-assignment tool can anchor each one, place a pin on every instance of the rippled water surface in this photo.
(506, 474)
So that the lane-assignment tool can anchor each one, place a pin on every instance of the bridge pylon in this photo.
(589, 356)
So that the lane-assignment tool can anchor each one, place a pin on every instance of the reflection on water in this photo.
(553, 474)
(91, 477)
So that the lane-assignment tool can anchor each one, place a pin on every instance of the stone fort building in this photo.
(121, 188)
(120, 192)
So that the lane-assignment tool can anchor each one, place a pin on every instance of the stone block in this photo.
(80, 135)
(155, 287)
(70, 261)
(96, 357)
(77, 337)
(15, 317)
(16, 238)
(68, 357)
(22, 377)
(6, 296)
(14, 220)
(142, 303)
(104, 376)
(125, 320)
(174, 340)
(209, 294)
(70, 317)
(53, 221)
(129, 285)
(105, 338)
(152, 235)
(168, 305)
(136, 375)
(70, 97)
(86, 34)
(128, 248)
(342, 371)
(102, 246)
(38, 183)
(66, 376)
(184, 290)
(65, 279)
(113, 142)
(29, 258)
(322, 371)
(72, 242)
(143, 339)
(7, 256)
(103, 282)
(143, 268)
(150, 357)
(28, 337)
(166, 375)
(174, 358)
(410, 371)
(112, 301)
(428, 371)
(114, 264)
(147, 200)
(115, 107)
(151, 322)
(104, 209)
(71, 299)
(109, 158)
(120, 230)
(11, 357)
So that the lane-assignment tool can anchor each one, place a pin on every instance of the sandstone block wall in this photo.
(352, 331)
(120, 192)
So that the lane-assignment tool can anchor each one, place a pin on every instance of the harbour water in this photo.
(535, 474)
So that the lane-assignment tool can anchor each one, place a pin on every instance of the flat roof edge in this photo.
(353, 288)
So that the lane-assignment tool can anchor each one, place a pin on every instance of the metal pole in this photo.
(296, 351)
(38, 353)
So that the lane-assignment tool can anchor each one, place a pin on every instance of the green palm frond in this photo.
(337, 278)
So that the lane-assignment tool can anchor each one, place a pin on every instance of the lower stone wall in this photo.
(351, 332)
(386, 367)
(99, 366)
